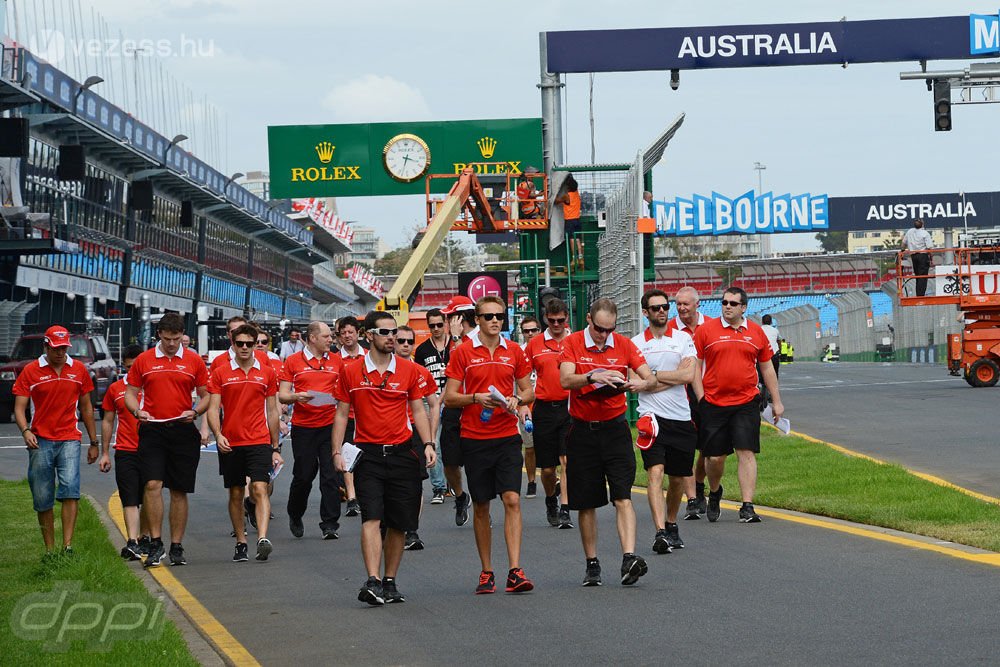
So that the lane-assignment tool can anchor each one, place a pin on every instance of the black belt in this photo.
(553, 404)
(598, 425)
(384, 450)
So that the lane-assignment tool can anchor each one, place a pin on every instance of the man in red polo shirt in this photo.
(381, 388)
(55, 386)
(550, 414)
(247, 434)
(729, 349)
(594, 367)
(127, 473)
(308, 379)
(169, 442)
(491, 444)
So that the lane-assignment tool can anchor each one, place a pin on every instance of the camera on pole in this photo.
(942, 106)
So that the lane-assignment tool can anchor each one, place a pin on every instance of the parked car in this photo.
(89, 349)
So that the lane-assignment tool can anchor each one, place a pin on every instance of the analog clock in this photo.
(406, 157)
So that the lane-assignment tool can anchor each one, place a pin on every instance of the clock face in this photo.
(406, 157)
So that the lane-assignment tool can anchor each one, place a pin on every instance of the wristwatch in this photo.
(429, 444)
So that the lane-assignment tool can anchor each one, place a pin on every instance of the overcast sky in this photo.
(821, 129)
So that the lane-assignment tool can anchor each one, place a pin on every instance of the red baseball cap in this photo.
(458, 304)
(648, 428)
(57, 336)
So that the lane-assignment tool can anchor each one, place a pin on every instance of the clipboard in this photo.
(351, 454)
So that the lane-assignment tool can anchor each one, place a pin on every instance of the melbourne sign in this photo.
(747, 214)
(394, 158)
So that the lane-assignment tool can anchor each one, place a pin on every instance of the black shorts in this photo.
(418, 447)
(551, 422)
(169, 453)
(388, 486)
(492, 467)
(725, 428)
(572, 227)
(451, 437)
(253, 461)
(598, 460)
(128, 476)
(673, 448)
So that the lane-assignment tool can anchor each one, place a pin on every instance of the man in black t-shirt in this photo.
(433, 354)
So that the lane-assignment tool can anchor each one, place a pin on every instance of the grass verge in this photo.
(108, 593)
(796, 474)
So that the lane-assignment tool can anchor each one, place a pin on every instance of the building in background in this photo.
(257, 183)
(367, 246)
(875, 241)
(705, 248)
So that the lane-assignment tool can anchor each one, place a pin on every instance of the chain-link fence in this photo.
(920, 333)
(799, 325)
(856, 328)
(620, 250)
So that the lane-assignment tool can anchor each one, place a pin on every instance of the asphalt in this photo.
(771, 593)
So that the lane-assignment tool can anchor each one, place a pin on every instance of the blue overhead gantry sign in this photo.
(829, 43)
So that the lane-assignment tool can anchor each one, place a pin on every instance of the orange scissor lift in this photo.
(970, 279)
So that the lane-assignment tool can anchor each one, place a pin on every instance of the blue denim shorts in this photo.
(54, 462)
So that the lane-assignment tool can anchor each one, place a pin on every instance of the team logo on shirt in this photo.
(612, 361)
(505, 359)
(180, 367)
(394, 385)
(587, 359)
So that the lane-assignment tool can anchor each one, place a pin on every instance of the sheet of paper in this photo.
(351, 456)
(321, 398)
(782, 425)
(164, 421)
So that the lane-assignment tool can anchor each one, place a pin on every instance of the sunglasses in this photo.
(556, 320)
(243, 343)
(603, 329)
(489, 317)
(381, 331)
(530, 330)
(439, 325)
(658, 308)
(731, 303)
(405, 341)
(262, 341)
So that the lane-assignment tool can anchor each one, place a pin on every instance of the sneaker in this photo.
(241, 554)
(264, 548)
(487, 583)
(674, 537)
(156, 554)
(67, 551)
(532, 491)
(517, 582)
(390, 593)
(437, 498)
(144, 545)
(558, 491)
(49, 557)
(552, 510)
(633, 567)
(295, 525)
(702, 504)
(177, 554)
(714, 511)
(353, 508)
(250, 511)
(131, 550)
(748, 515)
(692, 513)
(462, 504)
(593, 576)
(564, 519)
(330, 534)
(372, 592)
(661, 545)
(413, 541)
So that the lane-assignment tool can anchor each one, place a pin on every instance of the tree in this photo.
(505, 252)
(832, 241)
(392, 262)
(730, 272)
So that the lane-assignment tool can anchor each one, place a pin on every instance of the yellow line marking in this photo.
(211, 628)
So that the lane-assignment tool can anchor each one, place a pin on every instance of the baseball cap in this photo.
(648, 428)
(458, 304)
(57, 336)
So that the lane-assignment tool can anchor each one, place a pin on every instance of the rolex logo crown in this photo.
(324, 150)
(487, 145)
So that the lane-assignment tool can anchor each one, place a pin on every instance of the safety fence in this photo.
(620, 249)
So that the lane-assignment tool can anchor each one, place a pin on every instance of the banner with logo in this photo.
(748, 213)
(351, 160)
(477, 284)
(887, 212)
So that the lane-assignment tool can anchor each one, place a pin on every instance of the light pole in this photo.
(765, 241)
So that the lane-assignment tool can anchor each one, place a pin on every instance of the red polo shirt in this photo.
(599, 403)
(310, 373)
(54, 397)
(381, 401)
(472, 364)
(543, 354)
(127, 434)
(676, 324)
(244, 401)
(730, 355)
(167, 382)
(230, 354)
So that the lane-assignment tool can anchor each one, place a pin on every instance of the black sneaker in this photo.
(748, 515)
(131, 550)
(692, 514)
(593, 576)
(413, 542)
(674, 537)
(295, 525)
(67, 551)
(552, 510)
(532, 491)
(329, 533)
(462, 504)
(264, 548)
(558, 491)
(156, 554)
(390, 593)
(437, 498)
(353, 508)
(565, 521)
(372, 592)
(487, 583)
(250, 511)
(661, 544)
(177, 554)
(144, 545)
(714, 511)
(702, 505)
(633, 567)
(241, 554)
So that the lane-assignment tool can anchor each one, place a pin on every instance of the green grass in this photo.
(96, 567)
(795, 474)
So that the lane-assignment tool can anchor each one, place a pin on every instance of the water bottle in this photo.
(486, 414)
(529, 426)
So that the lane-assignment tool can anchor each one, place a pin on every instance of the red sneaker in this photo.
(487, 584)
(517, 582)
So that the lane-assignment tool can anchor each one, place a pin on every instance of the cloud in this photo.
(374, 98)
